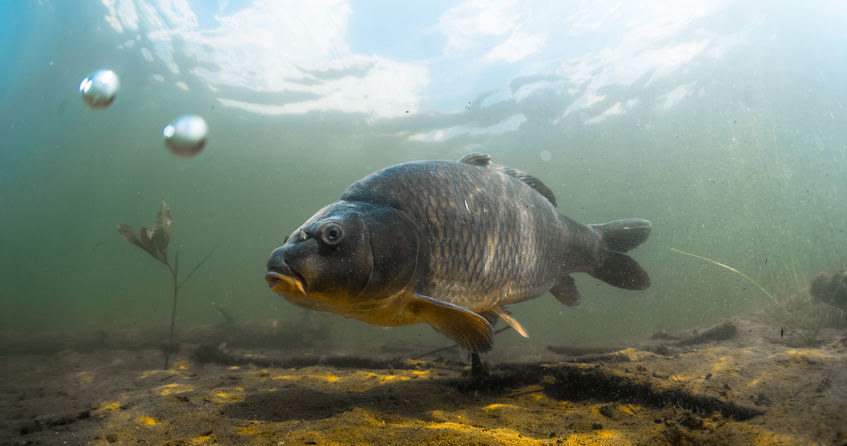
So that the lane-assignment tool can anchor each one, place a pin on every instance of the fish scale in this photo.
(455, 270)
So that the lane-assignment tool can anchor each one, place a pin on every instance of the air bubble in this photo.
(99, 88)
(185, 136)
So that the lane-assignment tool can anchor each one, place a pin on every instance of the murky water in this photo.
(722, 123)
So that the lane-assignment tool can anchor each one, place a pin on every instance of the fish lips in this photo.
(285, 280)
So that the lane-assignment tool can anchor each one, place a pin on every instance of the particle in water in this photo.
(546, 155)
(185, 136)
(99, 88)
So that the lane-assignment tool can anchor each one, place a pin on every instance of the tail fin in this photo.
(622, 235)
(616, 238)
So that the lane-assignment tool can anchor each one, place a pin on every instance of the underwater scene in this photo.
(342, 222)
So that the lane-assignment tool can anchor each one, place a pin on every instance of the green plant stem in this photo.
(722, 265)
(174, 269)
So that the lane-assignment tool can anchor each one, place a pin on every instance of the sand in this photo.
(742, 381)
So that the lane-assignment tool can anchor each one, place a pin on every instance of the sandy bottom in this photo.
(739, 382)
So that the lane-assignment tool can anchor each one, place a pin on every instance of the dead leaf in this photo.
(128, 234)
(156, 240)
(146, 239)
(161, 234)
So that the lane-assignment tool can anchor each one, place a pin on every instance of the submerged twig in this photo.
(198, 266)
(722, 265)
(155, 242)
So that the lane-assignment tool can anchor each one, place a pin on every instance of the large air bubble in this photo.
(99, 88)
(185, 136)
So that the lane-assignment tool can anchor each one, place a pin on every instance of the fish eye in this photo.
(331, 234)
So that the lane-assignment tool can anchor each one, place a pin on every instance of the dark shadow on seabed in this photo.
(416, 399)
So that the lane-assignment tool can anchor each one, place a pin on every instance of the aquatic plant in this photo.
(155, 242)
(807, 328)
(745, 276)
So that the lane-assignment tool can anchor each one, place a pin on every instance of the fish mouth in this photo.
(285, 281)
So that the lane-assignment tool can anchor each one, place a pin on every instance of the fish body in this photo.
(450, 244)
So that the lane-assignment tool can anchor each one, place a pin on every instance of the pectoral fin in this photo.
(467, 328)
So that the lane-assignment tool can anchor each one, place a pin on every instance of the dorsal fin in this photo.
(476, 159)
(533, 182)
(484, 160)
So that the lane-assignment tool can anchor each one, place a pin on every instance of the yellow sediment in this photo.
(202, 439)
(284, 377)
(229, 395)
(808, 354)
(181, 365)
(328, 378)
(250, 428)
(416, 362)
(566, 406)
(499, 406)
(171, 389)
(538, 396)
(498, 435)
(629, 409)
(109, 405)
(147, 421)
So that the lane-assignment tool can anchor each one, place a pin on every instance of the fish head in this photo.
(345, 259)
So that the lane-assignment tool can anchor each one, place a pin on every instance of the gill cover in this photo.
(395, 247)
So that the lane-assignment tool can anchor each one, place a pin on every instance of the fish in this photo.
(450, 244)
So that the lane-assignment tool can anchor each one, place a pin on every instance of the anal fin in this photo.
(467, 328)
(566, 291)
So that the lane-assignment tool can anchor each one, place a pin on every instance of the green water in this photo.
(747, 167)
